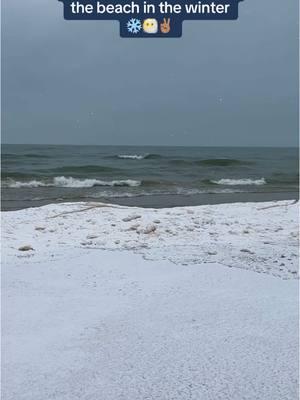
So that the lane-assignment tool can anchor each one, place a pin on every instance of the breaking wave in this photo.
(69, 182)
(236, 182)
(131, 156)
(139, 156)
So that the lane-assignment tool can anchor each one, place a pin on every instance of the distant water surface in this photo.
(39, 174)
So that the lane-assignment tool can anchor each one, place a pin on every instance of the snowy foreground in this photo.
(158, 318)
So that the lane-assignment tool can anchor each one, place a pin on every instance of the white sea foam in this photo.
(16, 184)
(62, 181)
(188, 192)
(178, 191)
(131, 156)
(233, 182)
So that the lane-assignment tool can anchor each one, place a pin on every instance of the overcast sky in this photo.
(223, 83)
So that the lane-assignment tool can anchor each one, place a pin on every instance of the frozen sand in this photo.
(82, 323)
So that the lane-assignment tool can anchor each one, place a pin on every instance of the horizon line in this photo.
(146, 145)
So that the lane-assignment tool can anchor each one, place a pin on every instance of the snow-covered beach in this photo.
(108, 302)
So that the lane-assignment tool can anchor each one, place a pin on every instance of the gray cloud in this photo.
(222, 83)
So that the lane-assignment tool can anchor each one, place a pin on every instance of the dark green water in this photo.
(36, 174)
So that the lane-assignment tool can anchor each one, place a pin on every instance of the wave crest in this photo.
(139, 156)
(131, 156)
(83, 169)
(69, 182)
(236, 182)
(221, 162)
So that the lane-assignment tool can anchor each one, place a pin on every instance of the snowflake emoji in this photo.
(134, 25)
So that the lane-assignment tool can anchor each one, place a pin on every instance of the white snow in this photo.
(261, 237)
(81, 322)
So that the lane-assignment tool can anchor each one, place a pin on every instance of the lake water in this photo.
(151, 176)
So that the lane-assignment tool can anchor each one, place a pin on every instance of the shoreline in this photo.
(203, 199)
(161, 201)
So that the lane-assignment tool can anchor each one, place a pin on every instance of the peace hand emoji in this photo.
(165, 26)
